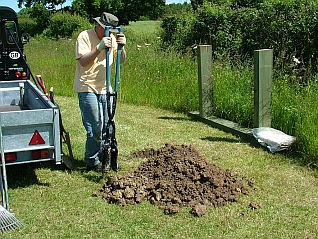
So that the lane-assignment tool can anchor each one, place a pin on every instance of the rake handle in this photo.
(4, 181)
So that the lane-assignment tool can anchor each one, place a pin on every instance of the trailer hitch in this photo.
(110, 146)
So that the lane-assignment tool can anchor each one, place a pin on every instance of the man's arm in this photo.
(89, 57)
(121, 40)
(123, 56)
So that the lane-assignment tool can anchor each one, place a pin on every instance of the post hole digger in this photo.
(109, 142)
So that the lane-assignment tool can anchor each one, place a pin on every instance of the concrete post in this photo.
(263, 70)
(205, 80)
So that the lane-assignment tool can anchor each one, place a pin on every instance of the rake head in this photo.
(7, 221)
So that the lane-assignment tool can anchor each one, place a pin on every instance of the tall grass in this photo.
(157, 78)
(167, 80)
(233, 93)
(55, 61)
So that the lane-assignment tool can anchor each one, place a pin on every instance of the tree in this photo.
(196, 4)
(125, 10)
(50, 4)
(89, 8)
(41, 16)
(177, 8)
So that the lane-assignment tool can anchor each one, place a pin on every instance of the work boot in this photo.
(118, 168)
(108, 168)
(97, 168)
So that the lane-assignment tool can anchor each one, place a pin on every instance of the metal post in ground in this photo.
(205, 80)
(263, 68)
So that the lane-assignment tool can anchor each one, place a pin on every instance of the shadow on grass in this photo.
(221, 139)
(96, 177)
(176, 118)
(23, 175)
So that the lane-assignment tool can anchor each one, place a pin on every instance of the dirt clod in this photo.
(254, 205)
(172, 208)
(199, 210)
(175, 176)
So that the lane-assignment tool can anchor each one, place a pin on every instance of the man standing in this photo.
(90, 82)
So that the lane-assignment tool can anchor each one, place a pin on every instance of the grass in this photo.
(168, 80)
(55, 61)
(54, 203)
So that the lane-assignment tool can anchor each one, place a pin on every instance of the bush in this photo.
(177, 32)
(290, 28)
(27, 25)
(41, 16)
(64, 25)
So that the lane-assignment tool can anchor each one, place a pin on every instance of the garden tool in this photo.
(110, 147)
(7, 219)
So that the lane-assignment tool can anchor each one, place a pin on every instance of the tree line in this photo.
(126, 10)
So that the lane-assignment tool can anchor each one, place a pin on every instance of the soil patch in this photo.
(175, 176)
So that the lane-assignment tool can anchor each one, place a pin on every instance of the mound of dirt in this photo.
(175, 176)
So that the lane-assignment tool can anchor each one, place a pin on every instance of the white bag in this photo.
(273, 139)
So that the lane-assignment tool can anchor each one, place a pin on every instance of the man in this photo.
(90, 82)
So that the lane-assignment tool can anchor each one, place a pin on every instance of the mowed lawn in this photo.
(56, 203)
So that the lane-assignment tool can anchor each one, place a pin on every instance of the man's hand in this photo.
(104, 43)
(121, 39)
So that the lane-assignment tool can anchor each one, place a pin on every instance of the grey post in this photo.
(263, 68)
(205, 79)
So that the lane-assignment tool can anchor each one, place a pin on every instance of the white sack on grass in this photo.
(273, 139)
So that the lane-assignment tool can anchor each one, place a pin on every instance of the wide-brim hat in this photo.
(107, 19)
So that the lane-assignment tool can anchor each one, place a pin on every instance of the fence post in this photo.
(205, 79)
(263, 70)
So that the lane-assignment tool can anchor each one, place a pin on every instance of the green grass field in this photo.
(55, 203)
(168, 80)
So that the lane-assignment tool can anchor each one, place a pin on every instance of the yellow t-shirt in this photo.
(92, 78)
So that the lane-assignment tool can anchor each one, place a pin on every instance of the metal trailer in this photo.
(30, 124)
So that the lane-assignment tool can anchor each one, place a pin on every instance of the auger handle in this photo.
(108, 71)
(108, 84)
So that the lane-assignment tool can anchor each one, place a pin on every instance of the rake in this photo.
(7, 219)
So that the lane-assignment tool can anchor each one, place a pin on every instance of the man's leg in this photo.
(92, 121)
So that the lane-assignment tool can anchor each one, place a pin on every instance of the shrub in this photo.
(41, 16)
(290, 28)
(64, 24)
(177, 32)
(27, 25)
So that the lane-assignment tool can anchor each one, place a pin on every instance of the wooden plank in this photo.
(227, 126)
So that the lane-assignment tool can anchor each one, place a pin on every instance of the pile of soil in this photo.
(175, 176)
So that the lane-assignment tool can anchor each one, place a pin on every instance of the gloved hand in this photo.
(121, 39)
(104, 43)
